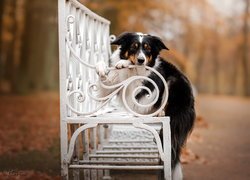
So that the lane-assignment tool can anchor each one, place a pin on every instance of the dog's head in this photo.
(140, 49)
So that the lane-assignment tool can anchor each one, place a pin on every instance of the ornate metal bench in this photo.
(95, 136)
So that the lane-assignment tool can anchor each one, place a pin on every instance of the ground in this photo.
(218, 148)
(225, 145)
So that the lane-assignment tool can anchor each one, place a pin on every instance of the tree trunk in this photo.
(7, 43)
(199, 67)
(9, 46)
(1, 21)
(19, 25)
(1, 25)
(245, 50)
(215, 50)
(39, 58)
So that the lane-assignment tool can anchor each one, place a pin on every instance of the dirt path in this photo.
(226, 143)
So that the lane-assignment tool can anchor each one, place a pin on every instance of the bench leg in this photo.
(64, 147)
(64, 171)
(167, 151)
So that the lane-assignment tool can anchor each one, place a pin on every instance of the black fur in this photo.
(180, 105)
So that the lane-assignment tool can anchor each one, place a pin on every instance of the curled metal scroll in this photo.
(74, 137)
(121, 86)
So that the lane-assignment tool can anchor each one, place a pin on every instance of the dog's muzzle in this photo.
(141, 59)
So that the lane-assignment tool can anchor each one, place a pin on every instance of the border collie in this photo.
(143, 49)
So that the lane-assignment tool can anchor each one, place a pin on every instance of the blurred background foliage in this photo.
(208, 40)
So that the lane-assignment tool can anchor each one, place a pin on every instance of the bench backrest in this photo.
(84, 39)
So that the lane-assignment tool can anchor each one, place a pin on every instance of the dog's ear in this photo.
(158, 43)
(122, 38)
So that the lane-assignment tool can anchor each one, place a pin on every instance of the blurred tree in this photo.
(215, 58)
(9, 47)
(7, 42)
(19, 26)
(39, 59)
(1, 42)
(245, 48)
(130, 15)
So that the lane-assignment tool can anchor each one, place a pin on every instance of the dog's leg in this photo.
(106, 77)
(177, 172)
(101, 69)
(161, 114)
(123, 64)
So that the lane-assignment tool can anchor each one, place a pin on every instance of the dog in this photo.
(143, 49)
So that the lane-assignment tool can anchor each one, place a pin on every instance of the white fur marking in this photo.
(122, 64)
(115, 57)
(101, 69)
(161, 114)
(140, 38)
(177, 172)
(141, 55)
(139, 33)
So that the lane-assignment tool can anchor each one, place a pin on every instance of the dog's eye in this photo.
(134, 46)
(147, 47)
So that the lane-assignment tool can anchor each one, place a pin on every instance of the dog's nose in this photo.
(140, 61)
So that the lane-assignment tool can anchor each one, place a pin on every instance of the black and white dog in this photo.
(142, 49)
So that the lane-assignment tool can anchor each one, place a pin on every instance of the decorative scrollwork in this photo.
(122, 86)
(153, 99)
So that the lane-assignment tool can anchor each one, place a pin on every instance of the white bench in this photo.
(95, 136)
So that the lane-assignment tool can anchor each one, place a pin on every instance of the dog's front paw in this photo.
(161, 114)
(122, 64)
(101, 69)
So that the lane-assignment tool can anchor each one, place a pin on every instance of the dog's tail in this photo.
(181, 124)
